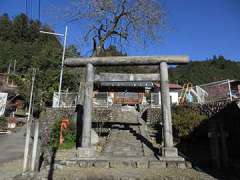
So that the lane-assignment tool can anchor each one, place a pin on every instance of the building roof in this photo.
(136, 84)
(127, 84)
(171, 86)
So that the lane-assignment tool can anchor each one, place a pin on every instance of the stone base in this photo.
(89, 152)
(169, 152)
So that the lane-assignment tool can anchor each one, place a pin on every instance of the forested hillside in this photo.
(21, 40)
(200, 72)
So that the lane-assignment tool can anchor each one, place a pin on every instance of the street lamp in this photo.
(63, 57)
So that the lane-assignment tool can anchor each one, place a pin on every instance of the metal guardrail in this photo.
(212, 92)
(67, 99)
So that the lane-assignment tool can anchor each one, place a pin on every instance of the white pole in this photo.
(56, 34)
(159, 97)
(34, 151)
(230, 91)
(62, 65)
(14, 66)
(28, 126)
(8, 71)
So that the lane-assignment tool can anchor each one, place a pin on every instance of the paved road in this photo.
(11, 153)
(12, 146)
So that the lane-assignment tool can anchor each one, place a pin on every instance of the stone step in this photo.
(119, 163)
(65, 154)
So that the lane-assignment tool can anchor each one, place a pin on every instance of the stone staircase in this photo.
(129, 138)
(129, 145)
(66, 154)
(123, 143)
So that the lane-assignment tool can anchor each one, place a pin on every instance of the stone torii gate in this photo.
(86, 150)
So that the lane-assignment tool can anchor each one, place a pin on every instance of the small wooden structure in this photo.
(125, 89)
(131, 89)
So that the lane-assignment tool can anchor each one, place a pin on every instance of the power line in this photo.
(26, 7)
(31, 11)
(39, 10)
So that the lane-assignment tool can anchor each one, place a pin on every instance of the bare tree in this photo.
(117, 19)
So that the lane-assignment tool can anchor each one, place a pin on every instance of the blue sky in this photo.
(198, 28)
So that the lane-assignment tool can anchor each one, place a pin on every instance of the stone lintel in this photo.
(126, 60)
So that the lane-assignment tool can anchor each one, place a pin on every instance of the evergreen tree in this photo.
(21, 40)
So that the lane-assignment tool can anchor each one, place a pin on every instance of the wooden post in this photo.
(168, 150)
(35, 142)
(87, 109)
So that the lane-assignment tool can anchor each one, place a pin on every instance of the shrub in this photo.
(3, 124)
(68, 134)
(185, 121)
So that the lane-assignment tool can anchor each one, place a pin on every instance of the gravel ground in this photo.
(14, 168)
(10, 169)
(127, 174)
(140, 174)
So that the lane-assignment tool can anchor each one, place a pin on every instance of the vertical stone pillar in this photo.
(79, 122)
(168, 150)
(35, 144)
(87, 109)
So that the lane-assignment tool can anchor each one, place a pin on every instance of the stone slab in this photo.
(123, 164)
(157, 164)
(170, 152)
(181, 165)
(71, 163)
(84, 164)
(86, 152)
(101, 164)
(178, 158)
(143, 164)
(188, 164)
(172, 164)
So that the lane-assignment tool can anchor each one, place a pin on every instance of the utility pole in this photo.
(230, 90)
(63, 57)
(39, 10)
(35, 142)
(28, 125)
(8, 71)
(14, 66)
(62, 66)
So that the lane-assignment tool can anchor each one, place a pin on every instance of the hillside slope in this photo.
(200, 72)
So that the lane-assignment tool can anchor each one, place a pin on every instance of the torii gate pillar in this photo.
(86, 150)
(169, 150)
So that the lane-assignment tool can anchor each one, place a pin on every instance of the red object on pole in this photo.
(64, 125)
